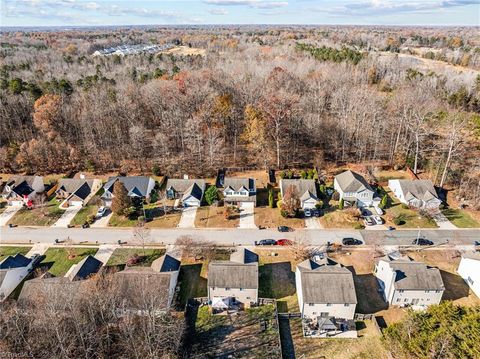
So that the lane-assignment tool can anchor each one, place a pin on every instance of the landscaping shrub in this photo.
(303, 174)
(271, 200)
(284, 213)
(156, 170)
(384, 202)
(91, 219)
(399, 220)
(359, 226)
(134, 259)
(336, 196)
(341, 204)
(211, 195)
(404, 206)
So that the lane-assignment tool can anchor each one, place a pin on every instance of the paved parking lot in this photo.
(67, 216)
(247, 217)
(9, 212)
(188, 217)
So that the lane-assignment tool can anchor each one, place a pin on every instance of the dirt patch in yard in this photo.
(214, 217)
(334, 218)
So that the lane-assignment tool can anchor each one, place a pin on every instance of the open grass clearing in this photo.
(214, 217)
(411, 218)
(61, 259)
(39, 216)
(6, 251)
(121, 255)
(271, 218)
(460, 218)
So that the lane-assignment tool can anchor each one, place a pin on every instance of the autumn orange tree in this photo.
(291, 201)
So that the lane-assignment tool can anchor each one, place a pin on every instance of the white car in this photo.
(378, 219)
(378, 210)
(101, 212)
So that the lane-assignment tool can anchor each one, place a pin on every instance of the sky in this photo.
(164, 12)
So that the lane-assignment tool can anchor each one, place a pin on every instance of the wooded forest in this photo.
(282, 97)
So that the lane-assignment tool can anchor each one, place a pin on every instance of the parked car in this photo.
(422, 242)
(266, 242)
(284, 242)
(378, 210)
(368, 221)
(101, 212)
(390, 228)
(351, 241)
(284, 229)
(378, 219)
(307, 212)
(317, 212)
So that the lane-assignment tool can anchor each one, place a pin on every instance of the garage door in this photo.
(17, 203)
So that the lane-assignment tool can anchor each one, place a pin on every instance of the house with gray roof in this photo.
(415, 193)
(87, 267)
(353, 188)
(233, 284)
(138, 187)
(76, 191)
(405, 282)
(238, 190)
(145, 288)
(305, 189)
(189, 191)
(20, 189)
(13, 270)
(327, 298)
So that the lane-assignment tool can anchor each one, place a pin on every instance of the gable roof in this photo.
(16, 261)
(418, 189)
(326, 281)
(17, 179)
(306, 188)
(411, 275)
(85, 268)
(350, 181)
(226, 274)
(133, 184)
(244, 256)
(195, 191)
(237, 183)
(166, 263)
(80, 188)
(181, 185)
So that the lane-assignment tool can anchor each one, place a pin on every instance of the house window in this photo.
(329, 304)
(405, 300)
(248, 297)
(311, 304)
(469, 280)
(213, 288)
(227, 288)
(346, 305)
(401, 291)
(241, 289)
(398, 299)
(314, 313)
(427, 291)
(437, 291)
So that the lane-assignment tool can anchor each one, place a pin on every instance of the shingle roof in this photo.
(350, 181)
(244, 256)
(472, 255)
(419, 189)
(85, 268)
(226, 274)
(304, 187)
(326, 281)
(16, 180)
(16, 261)
(79, 187)
(237, 183)
(166, 263)
(195, 191)
(138, 184)
(411, 275)
(181, 185)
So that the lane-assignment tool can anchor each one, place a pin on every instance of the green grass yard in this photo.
(460, 218)
(121, 255)
(11, 250)
(412, 219)
(82, 216)
(60, 261)
(41, 216)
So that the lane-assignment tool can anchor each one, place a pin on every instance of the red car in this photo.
(284, 242)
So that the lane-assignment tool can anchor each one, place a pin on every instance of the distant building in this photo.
(420, 194)
(189, 191)
(233, 284)
(138, 187)
(469, 270)
(305, 189)
(124, 50)
(353, 188)
(20, 189)
(405, 282)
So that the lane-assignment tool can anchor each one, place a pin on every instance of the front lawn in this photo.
(40, 216)
(412, 218)
(11, 251)
(121, 255)
(346, 218)
(158, 219)
(122, 221)
(460, 219)
(82, 216)
(271, 218)
(213, 217)
(60, 261)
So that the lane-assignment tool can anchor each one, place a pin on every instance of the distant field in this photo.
(186, 51)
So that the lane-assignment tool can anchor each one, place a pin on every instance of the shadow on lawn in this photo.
(276, 280)
(191, 283)
(455, 286)
(370, 299)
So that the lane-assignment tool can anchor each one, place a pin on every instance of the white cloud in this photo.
(218, 11)
(259, 4)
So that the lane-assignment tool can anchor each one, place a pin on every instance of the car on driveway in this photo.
(101, 212)
(422, 242)
(368, 221)
(378, 219)
(284, 242)
(317, 212)
(351, 241)
(307, 212)
(266, 242)
(284, 229)
(378, 210)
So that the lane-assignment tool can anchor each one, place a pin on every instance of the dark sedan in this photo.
(266, 242)
(284, 229)
(351, 242)
(422, 242)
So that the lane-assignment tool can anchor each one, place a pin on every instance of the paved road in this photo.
(235, 236)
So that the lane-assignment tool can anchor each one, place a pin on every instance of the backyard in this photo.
(39, 216)
(11, 251)
(59, 260)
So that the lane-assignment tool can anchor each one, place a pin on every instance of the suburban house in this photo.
(59, 290)
(326, 297)
(306, 190)
(405, 282)
(137, 187)
(20, 189)
(469, 270)
(238, 190)
(76, 192)
(13, 270)
(353, 188)
(233, 284)
(417, 193)
(189, 191)
(139, 286)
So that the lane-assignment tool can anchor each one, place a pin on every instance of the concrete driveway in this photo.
(104, 252)
(103, 222)
(188, 217)
(67, 216)
(247, 216)
(8, 213)
(38, 248)
(312, 223)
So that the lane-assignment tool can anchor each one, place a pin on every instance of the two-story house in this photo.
(326, 297)
(353, 188)
(417, 193)
(138, 187)
(305, 189)
(405, 282)
(189, 191)
(20, 189)
(469, 270)
(234, 283)
(239, 190)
